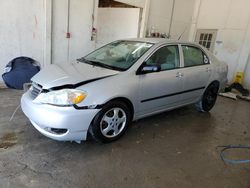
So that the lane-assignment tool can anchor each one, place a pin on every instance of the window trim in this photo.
(138, 72)
(194, 46)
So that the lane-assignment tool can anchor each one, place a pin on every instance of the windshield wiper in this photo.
(83, 60)
(99, 64)
(104, 65)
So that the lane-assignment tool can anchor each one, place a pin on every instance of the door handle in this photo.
(179, 75)
(208, 69)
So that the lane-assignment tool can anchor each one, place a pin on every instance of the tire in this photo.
(111, 122)
(207, 102)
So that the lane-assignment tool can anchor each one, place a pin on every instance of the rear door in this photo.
(196, 72)
(159, 90)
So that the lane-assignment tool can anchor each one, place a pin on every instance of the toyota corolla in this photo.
(99, 95)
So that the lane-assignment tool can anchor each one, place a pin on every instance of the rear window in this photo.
(193, 56)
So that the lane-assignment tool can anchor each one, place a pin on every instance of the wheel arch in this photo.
(217, 82)
(126, 101)
(120, 99)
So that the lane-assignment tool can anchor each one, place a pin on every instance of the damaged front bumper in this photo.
(58, 123)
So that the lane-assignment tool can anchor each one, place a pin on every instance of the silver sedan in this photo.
(100, 94)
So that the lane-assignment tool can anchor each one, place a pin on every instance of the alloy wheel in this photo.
(113, 122)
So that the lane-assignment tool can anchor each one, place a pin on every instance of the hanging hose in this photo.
(14, 113)
(232, 161)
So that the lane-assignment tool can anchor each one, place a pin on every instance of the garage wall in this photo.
(21, 30)
(26, 23)
(137, 3)
(109, 25)
(80, 27)
(160, 15)
(247, 74)
(23, 33)
(231, 19)
(182, 18)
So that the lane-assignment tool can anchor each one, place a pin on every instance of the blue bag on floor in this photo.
(19, 71)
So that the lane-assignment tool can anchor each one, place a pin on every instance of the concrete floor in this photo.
(173, 149)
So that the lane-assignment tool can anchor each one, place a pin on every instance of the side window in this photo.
(193, 56)
(167, 57)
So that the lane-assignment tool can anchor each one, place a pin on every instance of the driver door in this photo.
(161, 90)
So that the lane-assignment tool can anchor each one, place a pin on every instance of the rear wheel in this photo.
(111, 122)
(209, 98)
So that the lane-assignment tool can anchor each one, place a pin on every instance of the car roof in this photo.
(159, 40)
(149, 40)
(162, 41)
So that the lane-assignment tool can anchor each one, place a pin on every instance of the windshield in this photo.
(119, 55)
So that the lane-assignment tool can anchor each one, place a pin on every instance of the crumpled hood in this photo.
(73, 73)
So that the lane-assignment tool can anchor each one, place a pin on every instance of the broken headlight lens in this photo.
(64, 97)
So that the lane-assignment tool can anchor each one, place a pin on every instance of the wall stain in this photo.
(8, 140)
(36, 26)
(36, 22)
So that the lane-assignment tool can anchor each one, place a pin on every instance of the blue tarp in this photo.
(19, 71)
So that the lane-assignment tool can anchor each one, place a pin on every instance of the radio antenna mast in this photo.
(182, 33)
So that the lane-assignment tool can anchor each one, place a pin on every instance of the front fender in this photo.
(102, 91)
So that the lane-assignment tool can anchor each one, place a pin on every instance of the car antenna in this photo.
(182, 33)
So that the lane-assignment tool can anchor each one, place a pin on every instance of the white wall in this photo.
(137, 3)
(182, 18)
(110, 27)
(231, 18)
(247, 74)
(80, 27)
(160, 15)
(21, 30)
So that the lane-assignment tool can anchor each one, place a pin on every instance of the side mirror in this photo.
(150, 68)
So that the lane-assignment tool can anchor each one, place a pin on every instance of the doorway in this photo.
(71, 30)
(116, 21)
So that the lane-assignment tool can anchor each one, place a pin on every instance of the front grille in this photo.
(35, 90)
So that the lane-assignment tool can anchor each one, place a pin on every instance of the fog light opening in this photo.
(56, 131)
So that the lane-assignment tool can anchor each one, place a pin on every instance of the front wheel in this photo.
(209, 98)
(111, 122)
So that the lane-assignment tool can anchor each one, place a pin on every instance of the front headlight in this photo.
(64, 97)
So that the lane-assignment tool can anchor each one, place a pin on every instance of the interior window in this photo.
(166, 57)
(193, 56)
